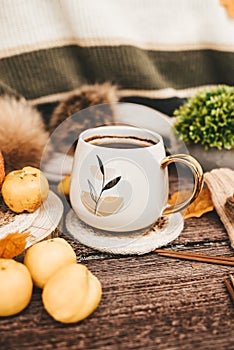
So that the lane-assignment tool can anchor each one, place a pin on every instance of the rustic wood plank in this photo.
(148, 301)
(208, 228)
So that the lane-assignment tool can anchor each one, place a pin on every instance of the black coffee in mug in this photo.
(120, 142)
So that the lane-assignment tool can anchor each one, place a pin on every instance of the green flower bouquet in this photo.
(207, 119)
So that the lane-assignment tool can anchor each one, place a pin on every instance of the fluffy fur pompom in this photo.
(81, 98)
(98, 96)
(22, 134)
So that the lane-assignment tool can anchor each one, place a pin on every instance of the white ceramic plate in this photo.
(20, 222)
(50, 214)
(41, 224)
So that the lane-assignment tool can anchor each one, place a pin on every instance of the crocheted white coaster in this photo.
(138, 242)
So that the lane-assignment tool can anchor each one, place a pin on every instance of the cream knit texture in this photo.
(159, 36)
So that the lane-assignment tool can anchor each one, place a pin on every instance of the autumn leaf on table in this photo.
(202, 204)
(13, 244)
(229, 4)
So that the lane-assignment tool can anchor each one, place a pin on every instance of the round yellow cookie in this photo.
(44, 258)
(72, 294)
(15, 287)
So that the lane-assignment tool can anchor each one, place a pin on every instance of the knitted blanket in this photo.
(155, 49)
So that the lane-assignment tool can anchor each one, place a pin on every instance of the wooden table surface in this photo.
(149, 301)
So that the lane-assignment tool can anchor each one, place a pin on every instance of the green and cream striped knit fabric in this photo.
(149, 48)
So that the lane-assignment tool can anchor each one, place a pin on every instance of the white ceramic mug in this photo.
(124, 189)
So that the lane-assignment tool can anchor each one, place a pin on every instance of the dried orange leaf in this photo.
(229, 4)
(13, 244)
(202, 204)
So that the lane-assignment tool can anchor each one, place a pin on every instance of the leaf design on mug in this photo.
(101, 166)
(109, 205)
(111, 183)
(93, 193)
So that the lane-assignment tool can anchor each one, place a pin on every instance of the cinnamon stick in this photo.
(232, 279)
(220, 260)
(230, 289)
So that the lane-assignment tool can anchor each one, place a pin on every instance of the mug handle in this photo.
(197, 171)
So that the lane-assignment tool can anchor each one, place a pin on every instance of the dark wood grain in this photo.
(149, 301)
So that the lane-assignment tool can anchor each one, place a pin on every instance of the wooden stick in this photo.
(232, 279)
(229, 288)
(221, 260)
